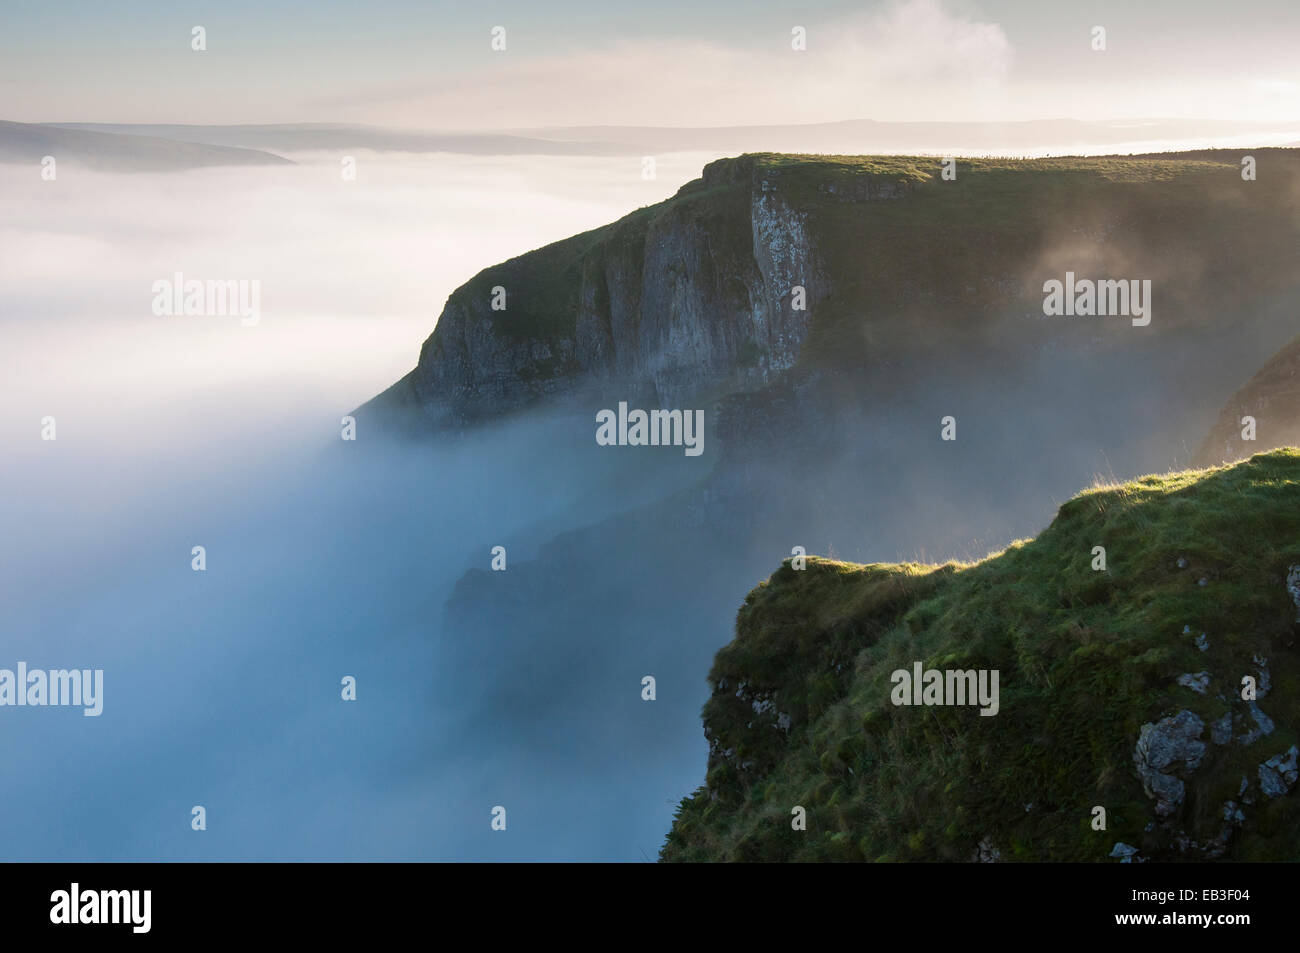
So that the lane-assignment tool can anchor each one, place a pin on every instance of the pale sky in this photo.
(671, 62)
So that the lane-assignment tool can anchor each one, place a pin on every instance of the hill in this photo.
(1120, 688)
(22, 142)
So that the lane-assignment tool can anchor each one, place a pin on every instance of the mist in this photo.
(324, 558)
(371, 558)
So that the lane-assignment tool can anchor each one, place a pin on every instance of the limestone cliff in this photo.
(913, 282)
(688, 297)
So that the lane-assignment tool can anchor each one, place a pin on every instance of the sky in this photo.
(569, 62)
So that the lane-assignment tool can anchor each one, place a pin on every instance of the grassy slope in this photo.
(1086, 658)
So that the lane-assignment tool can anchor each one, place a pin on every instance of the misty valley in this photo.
(759, 444)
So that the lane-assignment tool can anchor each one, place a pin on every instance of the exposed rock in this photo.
(1203, 642)
(1123, 851)
(1263, 725)
(1278, 774)
(1263, 683)
(1233, 817)
(1166, 753)
(686, 298)
(986, 853)
(1199, 682)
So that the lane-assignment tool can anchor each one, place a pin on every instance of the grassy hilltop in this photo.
(801, 711)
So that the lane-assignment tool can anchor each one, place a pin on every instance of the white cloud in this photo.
(879, 64)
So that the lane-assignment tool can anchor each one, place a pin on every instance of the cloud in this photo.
(878, 63)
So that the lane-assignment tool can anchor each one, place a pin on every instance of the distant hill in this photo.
(111, 152)
(858, 136)
(306, 137)
(868, 136)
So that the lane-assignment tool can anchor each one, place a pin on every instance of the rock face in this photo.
(1167, 752)
(911, 289)
(678, 300)
(1278, 774)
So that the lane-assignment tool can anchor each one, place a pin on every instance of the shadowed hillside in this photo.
(1272, 398)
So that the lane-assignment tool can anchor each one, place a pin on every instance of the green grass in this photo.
(1086, 658)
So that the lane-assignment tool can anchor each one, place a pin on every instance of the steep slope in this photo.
(669, 302)
(1120, 688)
(1272, 398)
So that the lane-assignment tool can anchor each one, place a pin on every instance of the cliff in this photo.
(924, 299)
(1120, 688)
(689, 302)
(673, 301)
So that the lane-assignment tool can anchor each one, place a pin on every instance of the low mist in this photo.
(371, 558)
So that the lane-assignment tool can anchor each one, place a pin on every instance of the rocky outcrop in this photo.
(1167, 752)
(1278, 774)
(669, 305)
(1123, 852)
